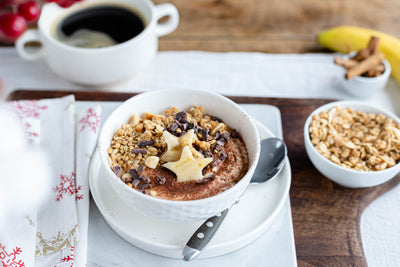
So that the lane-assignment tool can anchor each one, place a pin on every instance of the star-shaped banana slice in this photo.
(188, 168)
(176, 144)
(173, 148)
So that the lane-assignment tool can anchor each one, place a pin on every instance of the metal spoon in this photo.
(272, 159)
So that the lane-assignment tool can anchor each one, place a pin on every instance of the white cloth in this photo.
(21, 191)
(55, 233)
(88, 122)
(247, 74)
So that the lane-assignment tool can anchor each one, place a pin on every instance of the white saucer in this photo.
(245, 222)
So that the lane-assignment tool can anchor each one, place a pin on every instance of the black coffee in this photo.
(99, 26)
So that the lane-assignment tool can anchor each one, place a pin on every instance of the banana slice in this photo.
(187, 138)
(188, 168)
(176, 144)
(173, 148)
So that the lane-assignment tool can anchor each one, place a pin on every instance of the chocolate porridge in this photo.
(181, 155)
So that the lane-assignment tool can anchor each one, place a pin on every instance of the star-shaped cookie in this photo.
(188, 168)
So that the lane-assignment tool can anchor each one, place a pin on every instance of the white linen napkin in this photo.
(54, 234)
(20, 191)
(88, 122)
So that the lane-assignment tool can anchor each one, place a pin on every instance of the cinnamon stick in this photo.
(367, 64)
(375, 72)
(371, 49)
(373, 44)
(362, 54)
(348, 64)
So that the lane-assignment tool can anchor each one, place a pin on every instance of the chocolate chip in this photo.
(218, 147)
(180, 115)
(225, 136)
(117, 170)
(197, 147)
(220, 159)
(204, 134)
(144, 186)
(217, 119)
(133, 173)
(128, 180)
(190, 125)
(234, 134)
(179, 134)
(223, 155)
(216, 162)
(138, 151)
(145, 179)
(208, 154)
(217, 135)
(172, 127)
(146, 143)
(220, 143)
(206, 178)
(184, 121)
(182, 126)
(143, 192)
(136, 182)
(140, 169)
(161, 179)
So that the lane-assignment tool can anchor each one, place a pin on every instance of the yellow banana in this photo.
(349, 38)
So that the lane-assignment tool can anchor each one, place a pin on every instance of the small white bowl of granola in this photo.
(179, 155)
(354, 144)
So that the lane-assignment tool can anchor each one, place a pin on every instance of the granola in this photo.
(356, 140)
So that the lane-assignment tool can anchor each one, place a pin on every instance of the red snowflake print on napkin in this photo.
(91, 120)
(24, 110)
(30, 134)
(27, 108)
(69, 258)
(9, 259)
(67, 187)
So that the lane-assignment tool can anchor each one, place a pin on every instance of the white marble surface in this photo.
(253, 74)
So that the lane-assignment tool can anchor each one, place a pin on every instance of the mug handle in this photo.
(28, 36)
(166, 10)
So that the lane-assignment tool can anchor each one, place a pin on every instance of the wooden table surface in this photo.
(271, 26)
(280, 26)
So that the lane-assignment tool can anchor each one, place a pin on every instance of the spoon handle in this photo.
(202, 236)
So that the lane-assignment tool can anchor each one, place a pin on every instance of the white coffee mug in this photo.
(95, 66)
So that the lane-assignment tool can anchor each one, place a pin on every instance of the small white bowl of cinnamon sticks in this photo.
(367, 70)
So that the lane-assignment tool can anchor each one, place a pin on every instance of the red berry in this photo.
(12, 26)
(50, 1)
(65, 3)
(29, 10)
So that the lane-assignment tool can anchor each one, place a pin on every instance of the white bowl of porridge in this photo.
(354, 144)
(179, 155)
